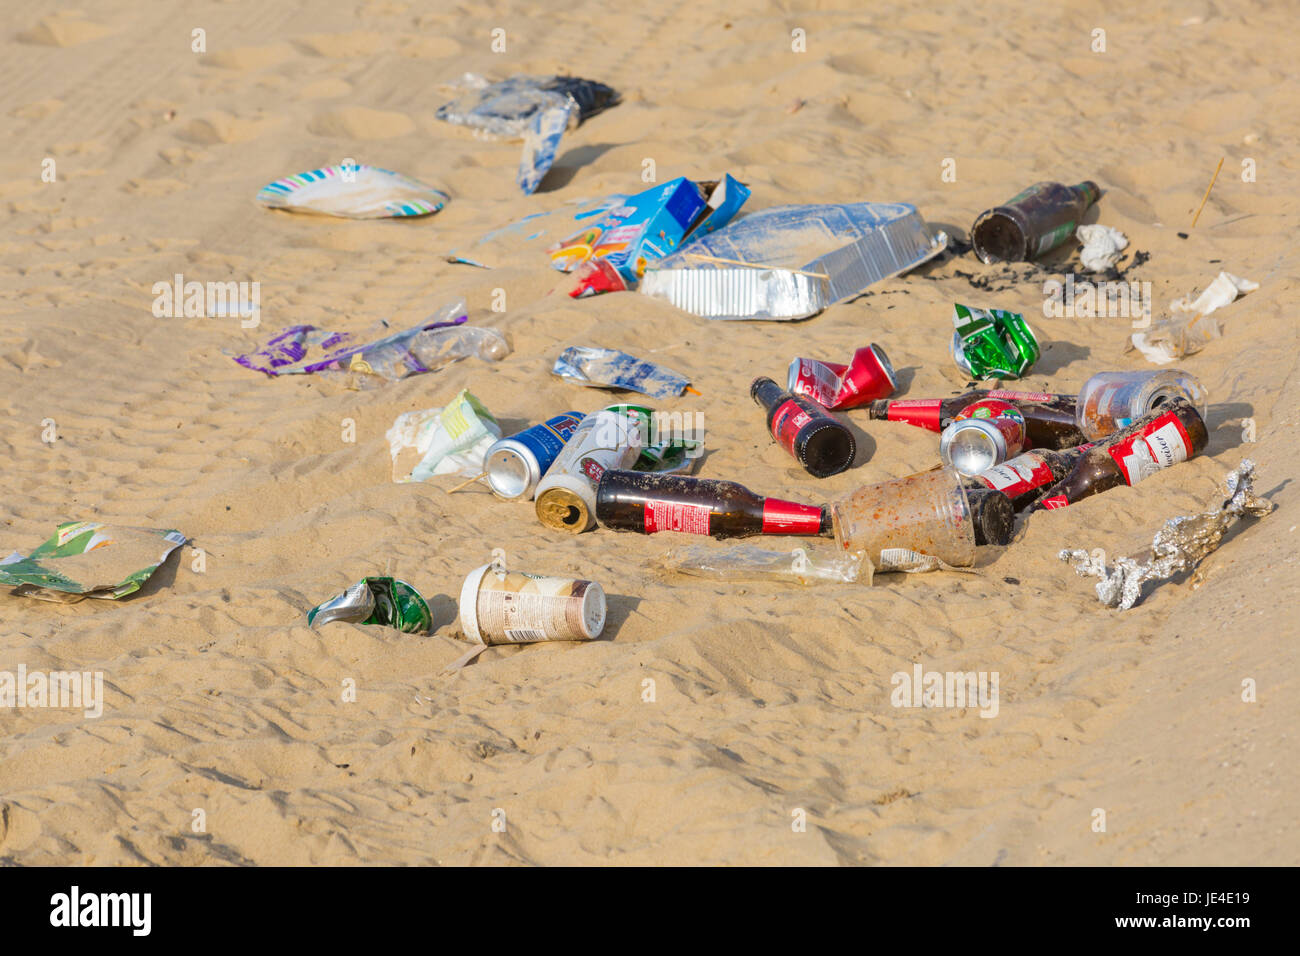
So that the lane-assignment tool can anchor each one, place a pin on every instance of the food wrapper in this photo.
(609, 368)
(88, 559)
(448, 441)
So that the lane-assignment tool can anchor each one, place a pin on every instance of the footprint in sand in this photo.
(429, 48)
(343, 44)
(63, 30)
(326, 89)
(249, 57)
(357, 122)
(38, 110)
(221, 127)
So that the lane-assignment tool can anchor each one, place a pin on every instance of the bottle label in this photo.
(1054, 238)
(1017, 476)
(787, 517)
(1056, 501)
(1158, 445)
(676, 516)
(787, 421)
(922, 412)
(1010, 396)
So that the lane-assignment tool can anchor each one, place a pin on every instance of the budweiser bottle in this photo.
(1172, 434)
(648, 503)
(1049, 419)
(1025, 478)
(817, 439)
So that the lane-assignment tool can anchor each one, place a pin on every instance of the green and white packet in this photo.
(89, 559)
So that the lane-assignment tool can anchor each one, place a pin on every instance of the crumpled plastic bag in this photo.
(440, 340)
(1102, 246)
(1190, 328)
(610, 368)
(537, 109)
(507, 108)
(738, 562)
(442, 441)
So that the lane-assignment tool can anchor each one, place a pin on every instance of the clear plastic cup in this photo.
(927, 513)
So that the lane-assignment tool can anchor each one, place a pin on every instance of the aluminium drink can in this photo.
(517, 463)
(983, 434)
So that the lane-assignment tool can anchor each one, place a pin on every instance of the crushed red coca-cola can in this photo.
(596, 276)
(867, 377)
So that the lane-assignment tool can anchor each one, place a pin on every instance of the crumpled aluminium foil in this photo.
(1179, 546)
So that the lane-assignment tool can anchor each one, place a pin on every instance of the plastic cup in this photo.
(511, 607)
(927, 512)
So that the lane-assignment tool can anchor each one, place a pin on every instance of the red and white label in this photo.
(1017, 476)
(1056, 501)
(818, 381)
(1161, 443)
(789, 418)
(787, 517)
(676, 516)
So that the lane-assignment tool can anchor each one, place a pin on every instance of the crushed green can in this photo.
(992, 343)
(385, 601)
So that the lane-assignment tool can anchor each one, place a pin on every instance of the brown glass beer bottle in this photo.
(1032, 222)
(818, 440)
(648, 503)
(1174, 433)
(1025, 478)
(1050, 420)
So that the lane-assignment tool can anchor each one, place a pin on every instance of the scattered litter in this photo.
(651, 225)
(541, 143)
(513, 242)
(431, 345)
(804, 566)
(992, 343)
(1031, 222)
(446, 441)
(868, 377)
(1102, 247)
(903, 523)
(507, 108)
(378, 600)
(609, 368)
(1190, 328)
(853, 246)
(536, 109)
(88, 559)
(1178, 547)
(353, 192)
(596, 276)
(566, 495)
(511, 607)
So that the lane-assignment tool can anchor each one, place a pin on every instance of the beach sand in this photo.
(771, 704)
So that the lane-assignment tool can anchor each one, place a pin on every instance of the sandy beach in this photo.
(770, 737)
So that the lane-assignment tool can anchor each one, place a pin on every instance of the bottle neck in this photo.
(790, 517)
